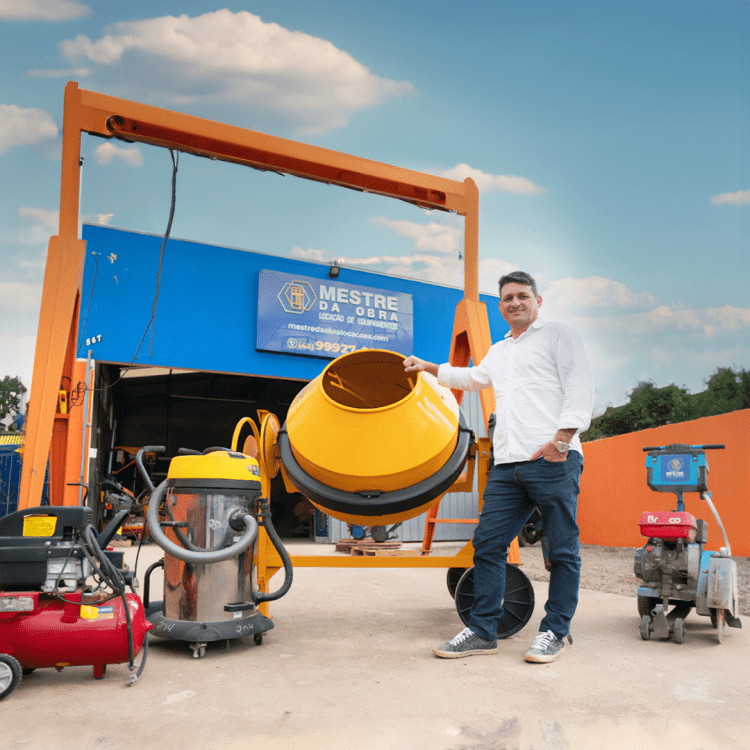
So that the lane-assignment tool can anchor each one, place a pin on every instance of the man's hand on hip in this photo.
(550, 453)
(550, 450)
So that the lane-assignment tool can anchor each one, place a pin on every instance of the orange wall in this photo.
(614, 492)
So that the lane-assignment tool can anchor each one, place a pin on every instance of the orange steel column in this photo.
(102, 115)
(58, 327)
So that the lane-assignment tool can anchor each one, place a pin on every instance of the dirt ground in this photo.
(349, 664)
(610, 570)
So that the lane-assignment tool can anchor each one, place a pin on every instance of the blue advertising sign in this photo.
(325, 318)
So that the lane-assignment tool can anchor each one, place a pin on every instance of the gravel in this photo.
(610, 569)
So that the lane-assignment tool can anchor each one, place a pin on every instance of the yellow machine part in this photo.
(236, 470)
(365, 425)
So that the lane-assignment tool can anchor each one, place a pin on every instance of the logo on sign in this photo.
(675, 469)
(297, 297)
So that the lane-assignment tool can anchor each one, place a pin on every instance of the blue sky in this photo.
(610, 143)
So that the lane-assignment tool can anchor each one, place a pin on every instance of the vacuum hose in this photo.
(200, 557)
(265, 509)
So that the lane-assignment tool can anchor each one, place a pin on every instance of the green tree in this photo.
(11, 390)
(649, 406)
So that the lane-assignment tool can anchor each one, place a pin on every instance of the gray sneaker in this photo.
(466, 643)
(547, 647)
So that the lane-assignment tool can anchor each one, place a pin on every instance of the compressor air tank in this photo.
(370, 444)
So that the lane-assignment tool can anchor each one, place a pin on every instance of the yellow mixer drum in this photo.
(371, 444)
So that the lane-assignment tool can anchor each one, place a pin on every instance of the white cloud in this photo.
(97, 218)
(490, 272)
(21, 126)
(488, 183)
(19, 296)
(237, 60)
(738, 198)
(432, 237)
(594, 292)
(309, 254)
(60, 73)
(42, 10)
(47, 217)
(107, 151)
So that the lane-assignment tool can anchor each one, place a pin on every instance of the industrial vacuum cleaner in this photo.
(676, 569)
(205, 517)
(63, 599)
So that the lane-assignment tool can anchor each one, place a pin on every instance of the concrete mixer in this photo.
(369, 444)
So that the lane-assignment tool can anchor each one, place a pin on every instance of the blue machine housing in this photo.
(677, 468)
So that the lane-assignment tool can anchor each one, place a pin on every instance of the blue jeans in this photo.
(510, 496)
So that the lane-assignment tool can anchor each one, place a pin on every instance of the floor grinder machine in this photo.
(51, 614)
(674, 565)
(205, 516)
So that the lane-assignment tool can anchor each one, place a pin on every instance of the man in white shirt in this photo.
(544, 397)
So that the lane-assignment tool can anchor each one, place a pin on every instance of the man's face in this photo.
(518, 305)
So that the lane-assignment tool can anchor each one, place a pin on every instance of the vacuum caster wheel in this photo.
(518, 602)
(199, 650)
(646, 628)
(10, 675)
(258, 638)
(677, 633)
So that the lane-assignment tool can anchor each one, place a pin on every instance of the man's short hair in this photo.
(517, 277)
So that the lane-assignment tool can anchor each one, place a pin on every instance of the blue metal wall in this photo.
(207, 306)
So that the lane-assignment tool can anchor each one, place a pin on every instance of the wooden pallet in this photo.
(389, 553)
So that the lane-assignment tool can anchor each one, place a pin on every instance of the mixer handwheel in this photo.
(518, 602)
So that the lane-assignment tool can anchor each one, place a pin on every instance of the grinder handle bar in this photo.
(694, 447)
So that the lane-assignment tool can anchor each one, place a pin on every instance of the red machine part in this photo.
(51, 633)
(664, 524)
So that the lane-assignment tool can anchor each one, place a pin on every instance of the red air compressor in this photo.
(49, 616)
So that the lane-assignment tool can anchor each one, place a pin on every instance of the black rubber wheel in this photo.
(258, 638)
(518, 602)
(646, 627)
(10, 675)
(453, 577)
(646, 605)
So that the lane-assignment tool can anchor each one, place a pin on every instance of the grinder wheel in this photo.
(518, 602)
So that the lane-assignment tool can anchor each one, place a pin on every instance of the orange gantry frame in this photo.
(97, 114)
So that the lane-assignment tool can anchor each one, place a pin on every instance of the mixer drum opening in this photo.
(368, 443)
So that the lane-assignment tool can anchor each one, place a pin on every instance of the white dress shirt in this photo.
(542, 382)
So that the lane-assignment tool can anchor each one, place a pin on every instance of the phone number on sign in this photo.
(333, 347)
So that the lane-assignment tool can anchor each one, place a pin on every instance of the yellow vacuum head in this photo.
(220, 471)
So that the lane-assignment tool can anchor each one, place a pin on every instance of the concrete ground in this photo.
(349, 665)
